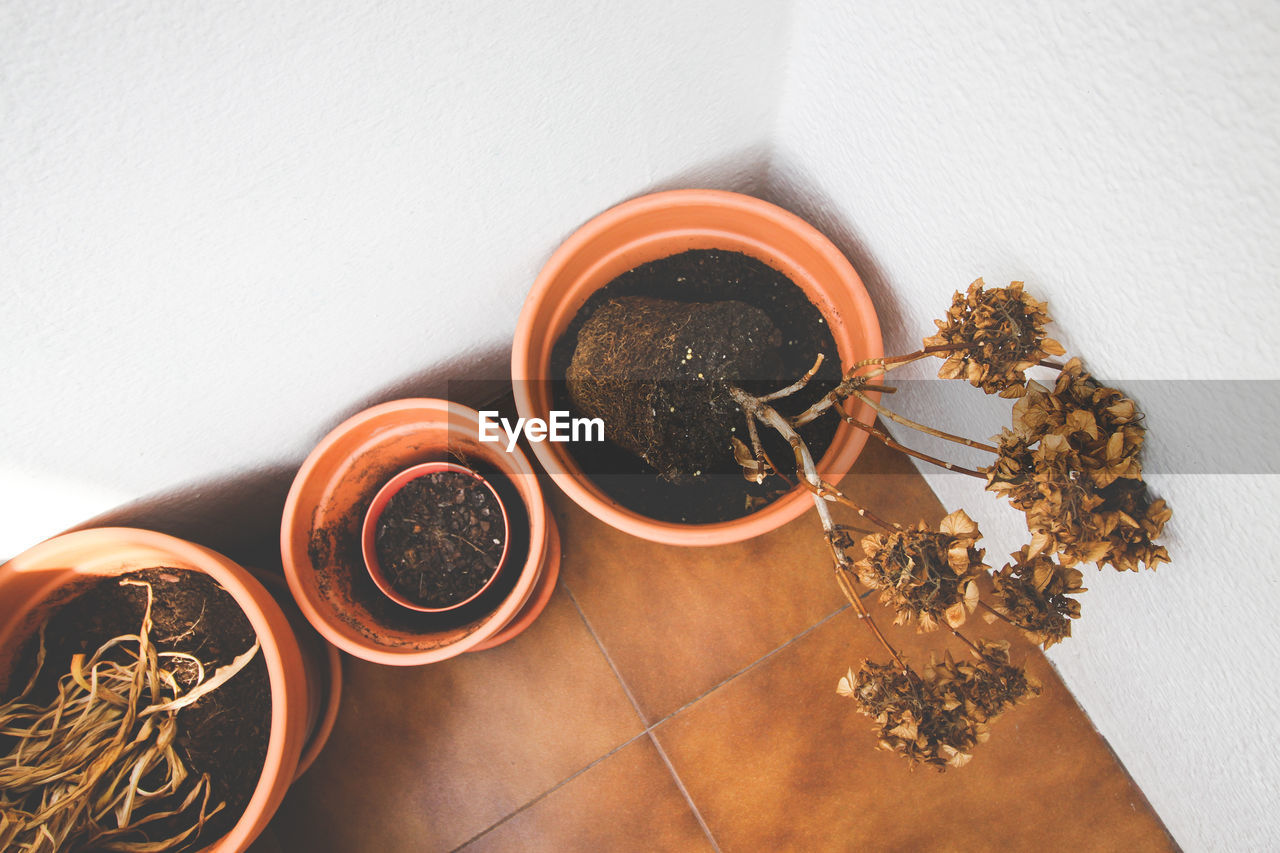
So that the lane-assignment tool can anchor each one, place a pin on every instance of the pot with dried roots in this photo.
(112, 724)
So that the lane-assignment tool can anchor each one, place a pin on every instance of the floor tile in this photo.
(627, 802)
(677, 621)
(776, 760)
(425, 758)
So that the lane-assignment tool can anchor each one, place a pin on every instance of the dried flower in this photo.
(986, 686)
(1002, 334)
(1101, 424)
(1069, 515)
(1013, 472)
(1132, 521)
(937, 718)
(1072, 465)
(1035, 594)
(910, 717)
(926, 575)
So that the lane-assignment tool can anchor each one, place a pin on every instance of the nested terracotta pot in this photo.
(657, 226)
(372, 519)
(35, 582)
(321, 536)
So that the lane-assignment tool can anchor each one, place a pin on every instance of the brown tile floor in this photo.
(684, 699)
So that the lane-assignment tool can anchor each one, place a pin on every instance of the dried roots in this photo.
(96, 767)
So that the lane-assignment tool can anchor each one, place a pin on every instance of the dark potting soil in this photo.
(334, 550)
(710, 275)
(440, 538)
(224, 733)
(679, 422)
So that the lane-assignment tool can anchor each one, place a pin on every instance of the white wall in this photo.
(1125, 162)
(224, 225)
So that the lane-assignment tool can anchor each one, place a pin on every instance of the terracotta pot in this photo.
(369, 532)
(323, 663)
(320, 536)
(55, 571)
(657, 226)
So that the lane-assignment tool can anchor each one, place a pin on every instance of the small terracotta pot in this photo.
(657, 226)
(369, 532)
(56, 571)
(321, 536)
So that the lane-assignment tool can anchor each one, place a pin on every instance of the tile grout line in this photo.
(557, 786)
(713, 688)
(662, 753)
(607, 658)
(634, 705)
(649, 728)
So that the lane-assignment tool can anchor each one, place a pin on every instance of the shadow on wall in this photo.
(472, 379)
(743, 171)
(236, 515)
(790, 187)
(239, 514)
(1245, 409)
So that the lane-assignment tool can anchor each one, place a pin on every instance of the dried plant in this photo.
(1034, 593)
(1070, 462)
(97, 766)
(925, 575)
(938, 717)
(992, 337)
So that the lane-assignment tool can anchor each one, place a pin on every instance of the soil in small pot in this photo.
(440, 539)
(224, 733)
(334, 549)
(743, 322)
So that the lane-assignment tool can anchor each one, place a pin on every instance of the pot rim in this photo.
(369, 531)
(564, 470)
(327, 716)
(538, 598)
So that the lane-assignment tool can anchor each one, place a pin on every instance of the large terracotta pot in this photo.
(657, 226)
(320, 536)
(323, 663)
(55, 571)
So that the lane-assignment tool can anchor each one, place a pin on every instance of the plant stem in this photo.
(887, 363)
(797, 385)
(864, 615)
(962, 638)
(937, 433)
(889, 442)
(828, 492)
(820, 490)
(846, 388)
(997, 613)
(754, 434)
(761, 455)
(835, 395)
(805, 468)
